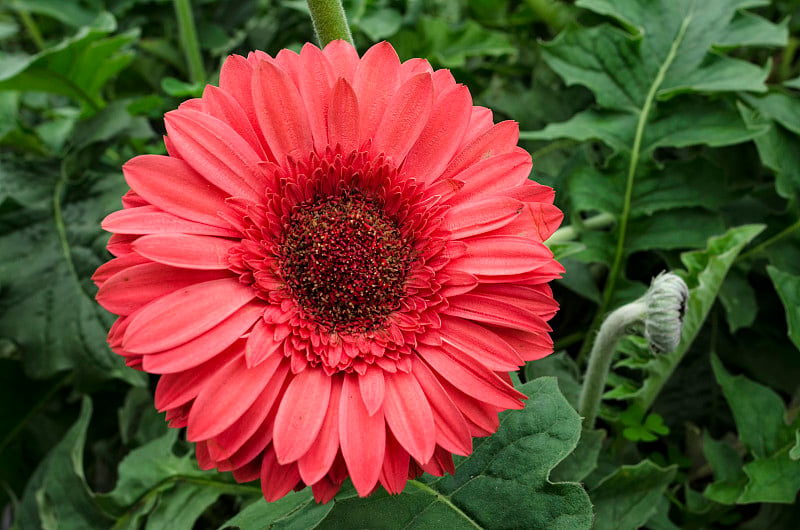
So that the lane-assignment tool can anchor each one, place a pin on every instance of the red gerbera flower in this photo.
(334, 269)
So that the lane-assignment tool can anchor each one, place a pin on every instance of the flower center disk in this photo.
(345, 262)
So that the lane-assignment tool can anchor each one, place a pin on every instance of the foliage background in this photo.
(669, 129)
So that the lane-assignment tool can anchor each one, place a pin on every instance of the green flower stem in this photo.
(30, 26)
(605, 345)
(619, 253)
(329, 21)
(570, 232)
(189, 42)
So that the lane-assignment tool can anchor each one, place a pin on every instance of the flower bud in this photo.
(666, 305)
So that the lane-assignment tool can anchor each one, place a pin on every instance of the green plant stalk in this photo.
(771, 241)
(188, 37)
(619, 253)
(30, 27)
(329, 20)
(605, 345)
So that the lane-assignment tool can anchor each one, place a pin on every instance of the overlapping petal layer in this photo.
(334, 270)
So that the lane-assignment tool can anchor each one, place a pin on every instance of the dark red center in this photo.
(345, 262)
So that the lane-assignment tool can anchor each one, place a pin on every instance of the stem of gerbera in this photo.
(330, 22)
(613, 328)
(189, 42)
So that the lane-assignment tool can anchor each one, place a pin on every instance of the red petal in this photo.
(229, 441)
(362, 437)
(451, 429)
(281, 113)
(372, 389)
(215, 151)
(317, 461)
(479, 343)
(205, 346)
(480, 382)
(477, 217)
(116, 265)
(409, 416)
(394, 473)
(494, 175)
(176, 389)
(343, 117)
(186, 251)
(172, 185)
(491, 310)
(185, 314)
(301, 413)
(261, 344)
(235, 78)
(135, 286)
(315, 79)
(502, 255)
(375, 82)
(343, 58)
(439, 140)
(500, 139)
(150, 220)
(223, 106)
(404, 119)
(277, 480)
(226, 396)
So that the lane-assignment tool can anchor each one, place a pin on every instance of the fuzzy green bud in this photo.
(666, 305)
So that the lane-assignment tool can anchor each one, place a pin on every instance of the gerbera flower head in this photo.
(333, 270)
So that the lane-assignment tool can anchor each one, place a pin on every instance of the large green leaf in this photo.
(667, 50)
(78, 67)
(57, 495)
(772, 475)
(50, 244)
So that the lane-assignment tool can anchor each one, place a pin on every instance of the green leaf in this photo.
(739, 300)
(561, 366)
(380, 24)
(747, 29)
(706, 270)
(583, 460)
(627, 498)
(684, 122)
(78, 67)
(50, 245)
(772, 479)
(667, 53)
(503, 484)
(777, 149)
(757, 411)
(773, 476)
(70, 13)
(450, 47)
(57, 495)
(297, 510)
(163, 489)
(725, 462)
(788, 287)
(779, 107)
